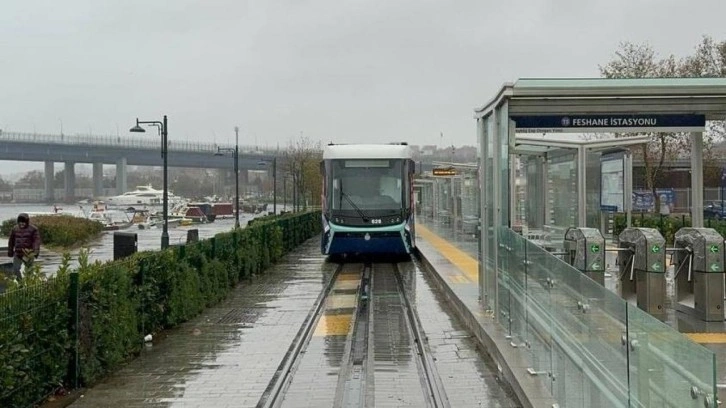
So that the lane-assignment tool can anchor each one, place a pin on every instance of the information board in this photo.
(612, 182)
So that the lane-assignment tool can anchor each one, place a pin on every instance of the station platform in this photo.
(454, 257)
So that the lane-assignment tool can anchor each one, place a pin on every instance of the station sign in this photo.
(609, 123)
(444, 171)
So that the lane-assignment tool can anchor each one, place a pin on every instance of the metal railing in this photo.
(129, 142)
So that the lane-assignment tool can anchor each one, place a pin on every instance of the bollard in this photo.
(124, 244)
(192, 235)
(73, 366)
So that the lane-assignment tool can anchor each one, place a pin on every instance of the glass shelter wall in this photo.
(588, 346)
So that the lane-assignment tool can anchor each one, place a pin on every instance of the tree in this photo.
(32, 179)
(641, 61)
(301, 160)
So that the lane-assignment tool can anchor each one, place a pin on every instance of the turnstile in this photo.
(641, 262)
(699, 276)
(585, 250)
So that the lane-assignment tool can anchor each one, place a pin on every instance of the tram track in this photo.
(382, 357)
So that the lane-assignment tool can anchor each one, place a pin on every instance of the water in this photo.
(102, 247)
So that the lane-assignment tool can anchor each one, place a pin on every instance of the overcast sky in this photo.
(344, 71)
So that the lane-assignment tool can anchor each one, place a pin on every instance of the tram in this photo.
(367, 199)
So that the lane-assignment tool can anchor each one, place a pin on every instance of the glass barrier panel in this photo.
(516, 249)
(666, 368)
(503, 279)
(602, 345)
(538, 313)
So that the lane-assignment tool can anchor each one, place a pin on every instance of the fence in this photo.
(73, 329)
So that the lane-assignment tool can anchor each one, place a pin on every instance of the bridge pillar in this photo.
(97, 179)
(49, 177)
(70, 181)
(121, 175)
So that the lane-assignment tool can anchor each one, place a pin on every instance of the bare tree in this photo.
(301, 162)
(640, 61)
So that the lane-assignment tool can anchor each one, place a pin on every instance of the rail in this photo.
(129, 142)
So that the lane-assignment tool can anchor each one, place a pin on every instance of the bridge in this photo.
(118, 151)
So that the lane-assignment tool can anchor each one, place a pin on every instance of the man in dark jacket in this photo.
(24, 244)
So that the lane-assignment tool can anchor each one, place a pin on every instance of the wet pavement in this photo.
(226, 356)
(468, 374)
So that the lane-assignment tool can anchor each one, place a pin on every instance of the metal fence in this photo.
(130, 142)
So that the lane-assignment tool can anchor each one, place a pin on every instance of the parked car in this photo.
(714, 210)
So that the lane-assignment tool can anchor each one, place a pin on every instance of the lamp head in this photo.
(137, 128)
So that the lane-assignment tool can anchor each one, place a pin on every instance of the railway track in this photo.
(362, 345)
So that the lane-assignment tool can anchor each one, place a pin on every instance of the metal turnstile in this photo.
(641, 261)
(585, 250)
(699, 276)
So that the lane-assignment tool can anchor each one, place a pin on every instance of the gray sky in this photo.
(344, 71)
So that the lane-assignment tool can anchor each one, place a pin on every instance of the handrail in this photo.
(126, 141)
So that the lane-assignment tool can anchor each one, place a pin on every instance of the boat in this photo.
(143, 195)
(223, 210)
(185, 212)
(207, 209)
(112, 220)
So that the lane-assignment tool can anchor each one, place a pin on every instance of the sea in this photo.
(101, 248)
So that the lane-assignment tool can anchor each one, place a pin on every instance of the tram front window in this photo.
(371, 186)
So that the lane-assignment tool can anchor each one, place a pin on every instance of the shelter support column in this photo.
(121, 176)
(70, 181)
(697, 179)
(97, 179)
(581, 186)
(49, 177)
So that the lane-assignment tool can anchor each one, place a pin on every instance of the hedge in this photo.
(119, 302)
(59, 230)
(668, 225)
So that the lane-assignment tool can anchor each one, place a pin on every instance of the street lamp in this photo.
(235, 152)
(262, 162)
(164, 149)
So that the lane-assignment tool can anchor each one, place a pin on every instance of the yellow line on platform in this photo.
(468, 265)
(707, 338)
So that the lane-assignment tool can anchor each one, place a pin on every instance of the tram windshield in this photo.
(367, 185)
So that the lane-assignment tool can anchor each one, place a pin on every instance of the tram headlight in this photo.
(367, 237)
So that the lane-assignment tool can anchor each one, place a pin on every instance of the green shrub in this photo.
(666, 225)
(122, 301)
(59, 230)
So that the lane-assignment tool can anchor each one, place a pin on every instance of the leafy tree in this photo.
(32, 179)
(640, 61)
(5, 185)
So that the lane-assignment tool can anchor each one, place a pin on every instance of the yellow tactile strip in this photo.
(339, 307)
(333, 325)
(468, 265)
(707, 338)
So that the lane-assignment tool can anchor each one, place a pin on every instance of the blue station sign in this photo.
(609, 123)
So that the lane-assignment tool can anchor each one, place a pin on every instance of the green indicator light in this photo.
(713, 249)
(595, 266)
(655, 266)
(655, 249)
(715, 267)
(594, 248)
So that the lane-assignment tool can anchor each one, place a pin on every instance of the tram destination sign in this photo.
(609, 123)
(444, 171)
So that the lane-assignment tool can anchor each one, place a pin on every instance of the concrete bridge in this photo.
(119, 151)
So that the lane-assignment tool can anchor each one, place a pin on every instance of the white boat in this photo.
(143, 195)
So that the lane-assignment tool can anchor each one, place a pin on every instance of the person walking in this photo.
(23, 245)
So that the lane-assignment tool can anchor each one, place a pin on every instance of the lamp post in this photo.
(274, 181)
(164, 150)
(234, 151)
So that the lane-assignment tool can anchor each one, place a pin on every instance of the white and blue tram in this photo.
(368, 199)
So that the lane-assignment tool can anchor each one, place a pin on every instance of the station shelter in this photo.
(583, 342)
